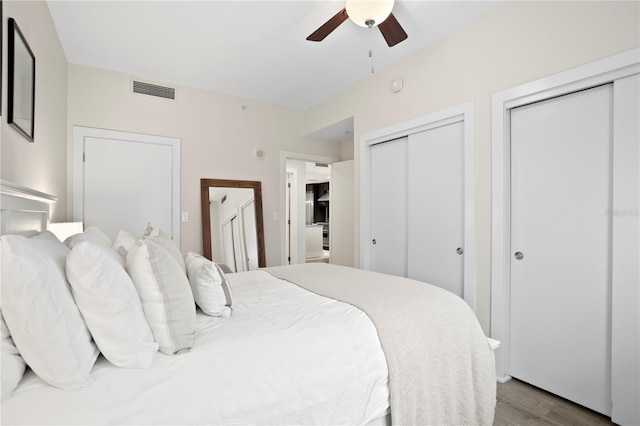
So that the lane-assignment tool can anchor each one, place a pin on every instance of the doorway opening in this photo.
(307, 221)
(317, 219)
(306, 226)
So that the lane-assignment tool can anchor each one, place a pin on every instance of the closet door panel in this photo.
(389, 207)
(561, 179)
(436, 207)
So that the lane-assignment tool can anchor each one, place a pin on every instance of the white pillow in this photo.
(166, 297)
(210, 288)
(94, 230)
(74, 239)
(50, 246)
(110, 305)
(123, 243)
(166, 242)
(43, 319)
(12, 364)
(92, 234)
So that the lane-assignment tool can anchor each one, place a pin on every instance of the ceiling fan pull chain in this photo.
(371, 50)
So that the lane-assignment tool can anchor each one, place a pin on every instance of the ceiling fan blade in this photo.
(328, 27)
(392, 31)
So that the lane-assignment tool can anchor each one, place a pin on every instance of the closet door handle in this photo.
(518, 255)
(460, 250)
(373, 241)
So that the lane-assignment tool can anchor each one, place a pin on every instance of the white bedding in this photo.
(286, 356)
(441, 366)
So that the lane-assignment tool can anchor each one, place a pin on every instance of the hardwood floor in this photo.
(522, 404)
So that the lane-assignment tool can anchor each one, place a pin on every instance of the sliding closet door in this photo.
(389, 207)
(436, 207)
(561, 179)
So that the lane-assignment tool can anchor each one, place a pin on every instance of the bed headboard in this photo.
(23, 210)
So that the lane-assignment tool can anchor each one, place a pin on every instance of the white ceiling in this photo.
(251, 49)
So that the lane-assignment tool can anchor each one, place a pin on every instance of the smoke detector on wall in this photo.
(259, 154)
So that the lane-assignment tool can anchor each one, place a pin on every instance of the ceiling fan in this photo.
(365, 13)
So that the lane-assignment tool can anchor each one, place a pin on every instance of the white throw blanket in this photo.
(441, 368)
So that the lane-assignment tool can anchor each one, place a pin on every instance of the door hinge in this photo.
(289, 259)
(288, 185)
(288, 221)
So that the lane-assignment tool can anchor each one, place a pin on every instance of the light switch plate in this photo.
(185, 217)
(397, 84)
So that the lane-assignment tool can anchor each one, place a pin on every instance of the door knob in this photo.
(460, 250)
(518, 255)
(373, 241)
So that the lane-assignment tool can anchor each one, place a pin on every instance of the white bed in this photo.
(286, 356)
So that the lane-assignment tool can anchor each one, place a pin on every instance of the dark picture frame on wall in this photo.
(21, 87)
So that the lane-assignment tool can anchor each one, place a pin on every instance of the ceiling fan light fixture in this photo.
(368, 13)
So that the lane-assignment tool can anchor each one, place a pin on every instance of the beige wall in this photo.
(513, 44)
(219, 135)
(40, 165)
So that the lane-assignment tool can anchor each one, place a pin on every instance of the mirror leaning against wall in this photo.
(232, 224)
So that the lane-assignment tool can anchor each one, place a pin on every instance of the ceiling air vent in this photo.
(149, 89)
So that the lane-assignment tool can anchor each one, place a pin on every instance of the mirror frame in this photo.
(205, 202)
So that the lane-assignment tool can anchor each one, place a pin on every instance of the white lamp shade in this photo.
(361, 11)
(63, 230)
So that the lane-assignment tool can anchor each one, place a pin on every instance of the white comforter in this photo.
(441, 366)
(286, 356)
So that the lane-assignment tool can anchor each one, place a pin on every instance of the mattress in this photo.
(286, 356)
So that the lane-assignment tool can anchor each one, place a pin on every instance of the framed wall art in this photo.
(21, 66)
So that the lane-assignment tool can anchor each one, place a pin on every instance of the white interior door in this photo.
(124, 181)
(127, 185)
(561, 179)
(287, 226)
(250, 235)
(389, 207)
(436, 207)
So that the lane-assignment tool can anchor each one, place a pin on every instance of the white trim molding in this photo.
(19, 191)
(23, 209)
(464, 113)
(583, 77)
